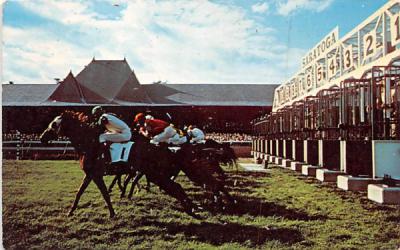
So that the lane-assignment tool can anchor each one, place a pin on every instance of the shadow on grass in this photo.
(258, 207)
(218, 234)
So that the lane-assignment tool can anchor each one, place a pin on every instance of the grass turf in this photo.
(276, 210)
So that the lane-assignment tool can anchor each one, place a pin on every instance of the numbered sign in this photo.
(369, 41)
(281, 96)
(333, 66)
(319, 67)
(395, 29)
(348, 57)
(300, 85)
(287, 93)
(309, 80)
(293, 91)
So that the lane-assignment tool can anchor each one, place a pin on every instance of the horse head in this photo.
(69, 123)
(52, 131)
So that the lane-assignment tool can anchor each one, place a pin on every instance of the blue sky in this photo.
(219, 41)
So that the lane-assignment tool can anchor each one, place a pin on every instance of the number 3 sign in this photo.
(348, 57)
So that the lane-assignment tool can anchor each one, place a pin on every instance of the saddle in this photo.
(119, 152)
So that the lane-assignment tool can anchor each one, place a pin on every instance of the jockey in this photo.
(158, 130)
(196, 135)
(179, 138)
(116, 129)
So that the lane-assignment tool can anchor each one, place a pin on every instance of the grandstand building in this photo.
(112, 83)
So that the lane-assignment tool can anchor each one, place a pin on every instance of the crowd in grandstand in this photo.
(220, 137)
(15, 136)
(228, 137)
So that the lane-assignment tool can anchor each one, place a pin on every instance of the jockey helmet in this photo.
(149, 117)
(98, 110)
(139, 117)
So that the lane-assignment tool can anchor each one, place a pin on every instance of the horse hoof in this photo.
(194, 215)
(112, 215)
(70, 214)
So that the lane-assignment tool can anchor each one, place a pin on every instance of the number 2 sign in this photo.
(369, 44)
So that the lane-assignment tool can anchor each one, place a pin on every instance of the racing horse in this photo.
(211, 150)
(84, 139)
(198, 164)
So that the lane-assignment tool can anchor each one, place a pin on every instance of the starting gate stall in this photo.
(385, 121)
(287, 132)
(274, 132)
(260, 130)
(280, 135)
(371, 123)
(297, 130)
(329, 104)
(310, 130)
(356, 127)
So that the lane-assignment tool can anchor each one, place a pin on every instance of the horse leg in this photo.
(116, 178)
(218, 200)
(148, 185)
(120, 182)
(85, 183)
(135, 182)
(175, 190)
(228, 196)
(126, 181)
(103, 189)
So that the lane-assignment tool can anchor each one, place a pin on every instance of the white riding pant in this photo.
(125, 135)
(199, 139)
(164, 136)
(177, 139)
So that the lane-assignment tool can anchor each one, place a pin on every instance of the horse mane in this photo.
(76, 116)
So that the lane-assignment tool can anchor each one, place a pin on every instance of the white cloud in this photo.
(186, 41)
(34, 55)
(260, 7)
(286, 7)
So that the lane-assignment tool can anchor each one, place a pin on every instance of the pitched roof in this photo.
(160, 94)
(26, 94)
(112, 80)
(68, 91)
(212, 94)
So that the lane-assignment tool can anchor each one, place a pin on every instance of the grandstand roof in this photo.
(212, 94)
(113, 82)
(26, 94)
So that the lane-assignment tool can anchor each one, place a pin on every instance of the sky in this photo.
(179, 41)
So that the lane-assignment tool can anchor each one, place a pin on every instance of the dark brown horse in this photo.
(199, 163)
(142, 157)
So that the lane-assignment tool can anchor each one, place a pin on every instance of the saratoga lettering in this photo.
(322, 48)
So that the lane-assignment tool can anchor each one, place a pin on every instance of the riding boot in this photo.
(103, 153)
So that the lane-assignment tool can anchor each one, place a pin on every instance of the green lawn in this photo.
(276, 210)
